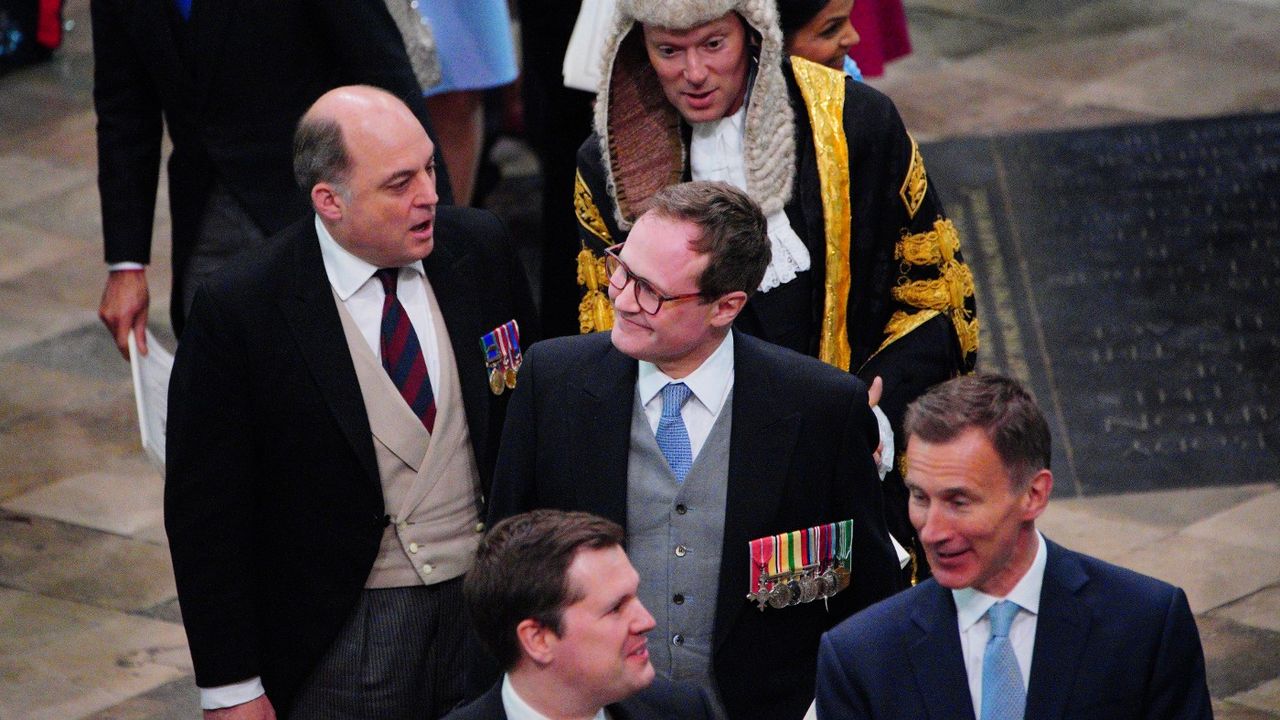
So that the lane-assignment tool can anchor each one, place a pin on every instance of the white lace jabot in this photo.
(716, 154)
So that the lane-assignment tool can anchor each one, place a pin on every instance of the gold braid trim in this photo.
(594, 311)
(916, 183)
(934, 247)
(946, 293)
(584, 206)
(902, 323)
(939, 247)
(823, 92)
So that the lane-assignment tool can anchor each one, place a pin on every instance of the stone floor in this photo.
(88, 621)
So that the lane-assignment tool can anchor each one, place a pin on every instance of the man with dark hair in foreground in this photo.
(553, 597)
(1011, 625)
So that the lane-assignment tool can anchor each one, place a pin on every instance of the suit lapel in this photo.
(761, 441)
(308, 308)
(606, 427)
(452, 275)
(1062, 628)
(936, 657)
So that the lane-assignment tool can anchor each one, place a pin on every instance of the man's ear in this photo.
(725, 309)
(327, 201)
(1037, 497)
(537, 641)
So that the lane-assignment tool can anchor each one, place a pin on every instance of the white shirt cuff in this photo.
(904, 557)
(886, 437)
(225, 696)
(126, 265)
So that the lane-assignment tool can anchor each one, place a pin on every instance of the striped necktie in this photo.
(401, 353)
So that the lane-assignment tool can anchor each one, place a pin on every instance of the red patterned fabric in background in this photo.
(882, 27)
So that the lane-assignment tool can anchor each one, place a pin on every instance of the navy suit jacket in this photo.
(799, 455)
(273, 500)
(1110, 643)
(660, 701)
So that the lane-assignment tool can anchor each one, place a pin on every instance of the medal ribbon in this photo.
(504, 347)
(761, 555)
(513, 337)
(844, 554)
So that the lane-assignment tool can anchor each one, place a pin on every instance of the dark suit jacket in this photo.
(800, 455)
(660, 701)
(273, 502)
(1110, 643)
(230, 85)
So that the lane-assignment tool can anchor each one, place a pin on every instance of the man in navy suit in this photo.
(1011, 625)
(554, 598)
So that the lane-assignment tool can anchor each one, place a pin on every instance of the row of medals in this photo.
(502, 375)
(803, 587)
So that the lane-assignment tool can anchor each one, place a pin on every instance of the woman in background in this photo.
(477, 52)
(819, 30)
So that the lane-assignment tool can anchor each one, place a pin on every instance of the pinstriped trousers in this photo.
(400, 655)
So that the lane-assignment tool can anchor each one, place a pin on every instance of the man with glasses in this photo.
(698, 440)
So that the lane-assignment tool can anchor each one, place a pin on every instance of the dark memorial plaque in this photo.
(1131, 276)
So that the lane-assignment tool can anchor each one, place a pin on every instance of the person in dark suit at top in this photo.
(332, 432)
(228, 80)
(1012, 625)
(699, 440)
(553, 597)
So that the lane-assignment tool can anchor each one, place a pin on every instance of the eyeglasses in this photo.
(647, 296)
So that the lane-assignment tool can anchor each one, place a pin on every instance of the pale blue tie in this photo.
(673, 438)
(1003, 695)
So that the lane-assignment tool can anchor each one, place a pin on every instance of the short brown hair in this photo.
(998, 406)
(522, 572)
(734, 233)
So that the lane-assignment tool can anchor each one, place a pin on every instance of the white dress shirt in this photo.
(361, 294)
(975, 628)
(715, 153)
(517, 709)
(710, 384)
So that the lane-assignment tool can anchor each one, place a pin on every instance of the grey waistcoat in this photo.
(675, 533)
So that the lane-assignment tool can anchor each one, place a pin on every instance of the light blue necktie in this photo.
(673, 438)
(1003, 695)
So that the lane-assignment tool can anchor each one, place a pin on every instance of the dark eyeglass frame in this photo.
(612, 263)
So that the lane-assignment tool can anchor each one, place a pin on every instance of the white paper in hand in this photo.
(151, 390)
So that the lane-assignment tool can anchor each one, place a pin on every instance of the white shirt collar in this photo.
(517, 709)
(710, 382)
(347, 273)
(972, 605)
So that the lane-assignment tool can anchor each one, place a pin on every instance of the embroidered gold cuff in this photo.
(938, 246)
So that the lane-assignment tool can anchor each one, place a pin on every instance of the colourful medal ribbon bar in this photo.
(513, 336)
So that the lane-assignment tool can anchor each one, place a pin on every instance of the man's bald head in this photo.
(320, 151)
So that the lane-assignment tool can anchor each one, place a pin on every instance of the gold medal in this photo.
(842, 578)
(511, 378)
(495, 380)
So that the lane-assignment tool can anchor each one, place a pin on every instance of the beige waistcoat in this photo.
(430, 481)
